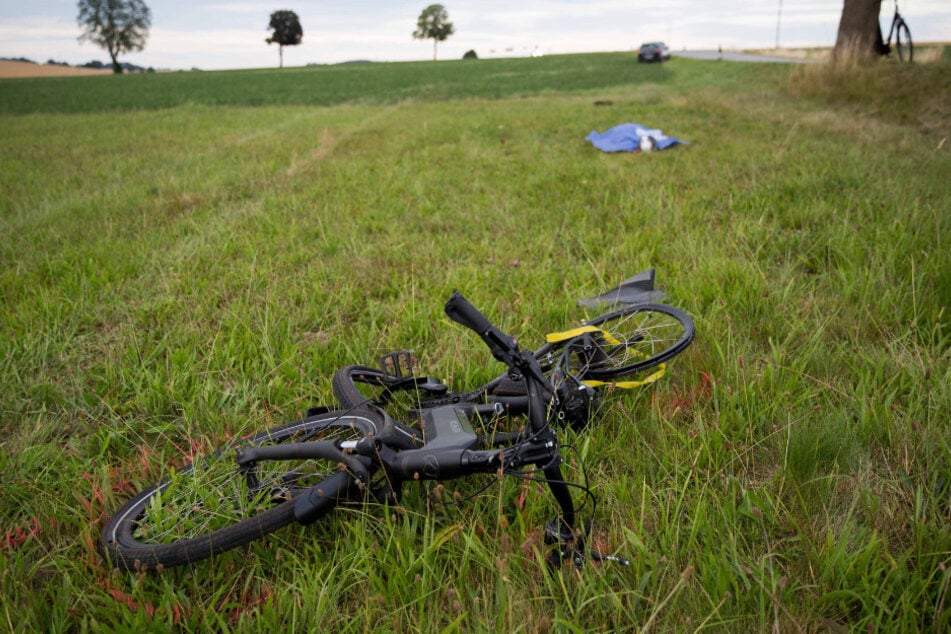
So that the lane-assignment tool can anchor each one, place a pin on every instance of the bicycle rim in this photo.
(211, 505)
(903, 43)
(627, 341)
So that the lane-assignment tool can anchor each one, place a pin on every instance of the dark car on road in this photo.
(653, 52)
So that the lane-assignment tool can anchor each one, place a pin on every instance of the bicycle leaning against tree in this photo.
(901, 34)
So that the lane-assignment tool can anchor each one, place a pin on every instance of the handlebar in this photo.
(503, 346)
(461, 311)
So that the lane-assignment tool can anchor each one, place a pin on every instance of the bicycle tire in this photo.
(188, 516)
(903, 45)
(632, 339)
(344, 389)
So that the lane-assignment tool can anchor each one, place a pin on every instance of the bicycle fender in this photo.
(637, 289)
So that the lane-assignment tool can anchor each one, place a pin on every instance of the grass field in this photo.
(188, 257)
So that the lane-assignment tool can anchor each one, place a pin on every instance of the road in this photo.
(731, 56)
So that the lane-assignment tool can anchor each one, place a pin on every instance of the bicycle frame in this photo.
(896, 20)
(448, 447)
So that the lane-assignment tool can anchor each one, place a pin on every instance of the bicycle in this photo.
(302, 470)
(899, 30)
(607, 351)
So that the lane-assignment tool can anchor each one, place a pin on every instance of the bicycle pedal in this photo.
(401, 364)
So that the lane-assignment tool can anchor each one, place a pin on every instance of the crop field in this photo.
(186, 258)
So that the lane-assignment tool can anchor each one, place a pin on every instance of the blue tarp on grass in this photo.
(627, 138)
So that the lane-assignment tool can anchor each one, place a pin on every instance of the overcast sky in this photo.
(219, 34)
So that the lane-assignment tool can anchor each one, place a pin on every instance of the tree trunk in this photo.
(859, 34)
(280, 53)
(435, 41)
(116, 67)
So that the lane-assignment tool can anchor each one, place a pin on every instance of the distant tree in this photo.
(859, 35)
(433, 24)
(470, 54)
(119, 26)
(286, 31)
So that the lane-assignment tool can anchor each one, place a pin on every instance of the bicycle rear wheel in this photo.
(903, 44)
(624, 342)
(212, 505)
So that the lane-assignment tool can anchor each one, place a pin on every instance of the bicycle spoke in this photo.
(630, 339)
(216, 492)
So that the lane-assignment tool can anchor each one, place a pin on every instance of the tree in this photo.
(859, 33)
(119, 26)
(286, 31)
(433, 23)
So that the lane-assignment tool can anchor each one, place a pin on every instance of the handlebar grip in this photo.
(462, 312)
(503, 347)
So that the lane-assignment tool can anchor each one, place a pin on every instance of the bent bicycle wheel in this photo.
(213, 505)
(903, 42)
(624, 342)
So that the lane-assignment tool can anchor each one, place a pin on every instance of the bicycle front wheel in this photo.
(624, 342)
(212, 505)
(903, 43)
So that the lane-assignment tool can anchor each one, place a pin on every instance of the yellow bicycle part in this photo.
(557, 337)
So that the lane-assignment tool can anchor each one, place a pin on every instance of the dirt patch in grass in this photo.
(10, 69)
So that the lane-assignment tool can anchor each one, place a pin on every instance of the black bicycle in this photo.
(302, 470)
(626, 347)
(902, 37)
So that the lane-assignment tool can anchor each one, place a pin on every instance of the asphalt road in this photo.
(737, 57)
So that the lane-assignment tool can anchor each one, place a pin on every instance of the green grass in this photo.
(380, 83)
(188, 257)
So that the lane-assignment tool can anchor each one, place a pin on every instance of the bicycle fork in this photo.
(567, 540)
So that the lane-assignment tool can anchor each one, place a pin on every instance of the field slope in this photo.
(187, 257)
